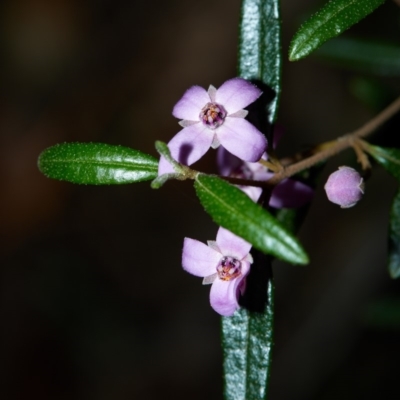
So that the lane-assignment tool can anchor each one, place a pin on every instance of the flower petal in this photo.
(242, 139)
(245, 269)
(191, 103)
(224, 294)
(227, 162)
(290, 194)
(239, 114)
(208, 280)
(260, 173)
(237, 93)
(252, 191)
(278, 134)
(211, 92)
(215, 143)
(224, 297)
(213, 245)
(198, 259)
(187, 146)
(164, 167)
(232, 245)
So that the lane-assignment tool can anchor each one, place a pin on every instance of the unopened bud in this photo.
(345, 187)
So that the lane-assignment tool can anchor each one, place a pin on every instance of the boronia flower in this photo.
(287, 194)
(225, 263)
(344, 187)
(213, 118)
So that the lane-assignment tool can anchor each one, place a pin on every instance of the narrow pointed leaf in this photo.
(247, 336)
(330, 21)
(260, 47)
(362, 55)
(97, 164)
(232, 209)
(394, 238)
(387, 157)
(247, 345)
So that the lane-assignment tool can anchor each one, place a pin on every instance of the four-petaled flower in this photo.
(214, 118)
(225, 263)
(287, 194)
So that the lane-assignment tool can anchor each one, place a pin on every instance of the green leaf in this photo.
(362, 55)
(387, 157)
(96, 164)
(232, 209)
(247, 344)
(394, 238)
(330, 21)
(260, 47)
(247, 336)
(291, 218)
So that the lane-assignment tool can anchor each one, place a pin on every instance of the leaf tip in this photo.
(40, 162)
(296, 53)
(300, 257)
(305, 260)
(292, 55)
(394, 272)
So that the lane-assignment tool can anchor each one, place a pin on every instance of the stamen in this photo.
(229, 268)
(212, 115)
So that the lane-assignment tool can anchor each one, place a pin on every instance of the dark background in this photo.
(94, 303)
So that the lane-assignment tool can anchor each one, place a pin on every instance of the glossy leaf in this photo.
(232, 209)
(387, 157)
(362, 55)
(394, 238)
(247, 336)
(247, 344)
(96, 164)
(330, 21)
(260, 47)
(291, 218)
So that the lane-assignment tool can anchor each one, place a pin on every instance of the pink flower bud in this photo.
(345, 187)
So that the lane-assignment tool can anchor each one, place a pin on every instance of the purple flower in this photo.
(287, 194)
(225, 263)
(214, 118)
(344, 187)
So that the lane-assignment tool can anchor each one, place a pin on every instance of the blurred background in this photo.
(94, 302)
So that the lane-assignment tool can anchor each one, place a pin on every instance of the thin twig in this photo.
(362, 158)
(342, 143)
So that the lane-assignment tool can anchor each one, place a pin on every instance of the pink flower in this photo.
(344, 187)
(214, 118)
(225, 263)
(287, 194)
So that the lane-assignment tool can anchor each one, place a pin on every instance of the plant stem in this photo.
(285, 169)
(332, 148)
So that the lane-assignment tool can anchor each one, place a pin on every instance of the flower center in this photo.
(229, 268)
(212, 115)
